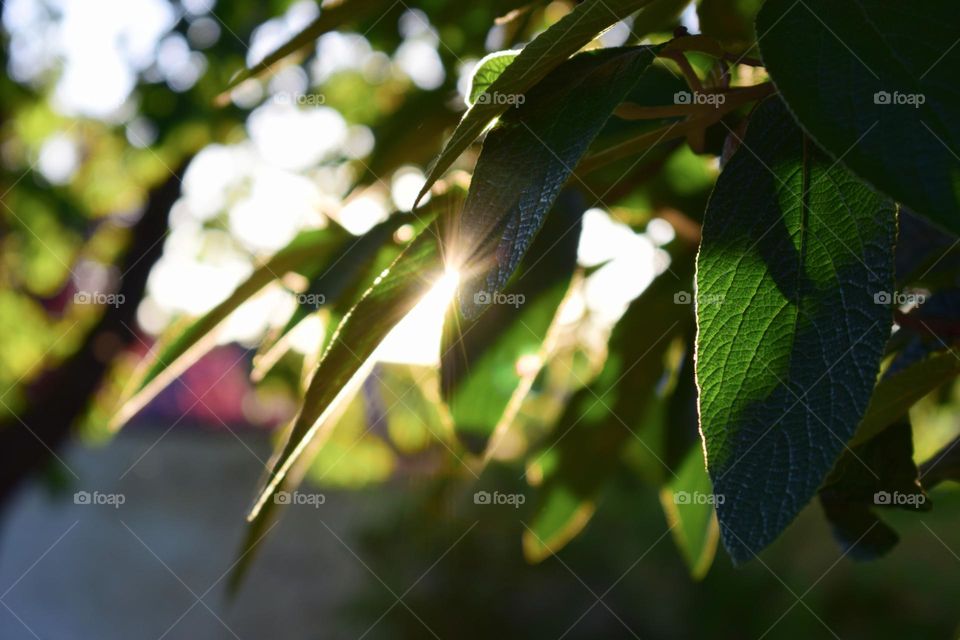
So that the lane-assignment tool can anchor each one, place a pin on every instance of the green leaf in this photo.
(486, 72)
(874, 83)
(531, 65)
(347, 359)
(169, 359)
(729, 20)
(582, 454)
(942, 466)
(880, 473)
(330, 19)
(527, 159)
(900, 390)
(561, 516)
(337, 285)
(687, 502)
(790, 338)
(488, 365)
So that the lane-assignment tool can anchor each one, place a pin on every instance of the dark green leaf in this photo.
(534, 62)
(790, 338)
(874, 83)
(879, 473)
(729, 20)
(527, 159)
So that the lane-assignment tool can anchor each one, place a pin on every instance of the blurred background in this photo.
(132, 200)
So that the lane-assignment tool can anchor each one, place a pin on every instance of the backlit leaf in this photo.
(527, 159)
(534, 62)
(348, 356)
(488, 364)
(790, 338)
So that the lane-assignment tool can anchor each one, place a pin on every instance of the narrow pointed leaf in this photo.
(900, 390)
(337, 285)
(582, 453)
(687, 501)
(347, 358)
(487, 365)
(535, 61)
(789, 335)
(528, 157)
(168, 360)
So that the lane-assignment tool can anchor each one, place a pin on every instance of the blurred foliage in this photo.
(590, 416)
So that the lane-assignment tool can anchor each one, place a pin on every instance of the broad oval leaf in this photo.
(527, 159)
(790, 338)
(531, 65)
(874, 83)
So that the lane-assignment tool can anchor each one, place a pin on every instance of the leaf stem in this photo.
(739, 95)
